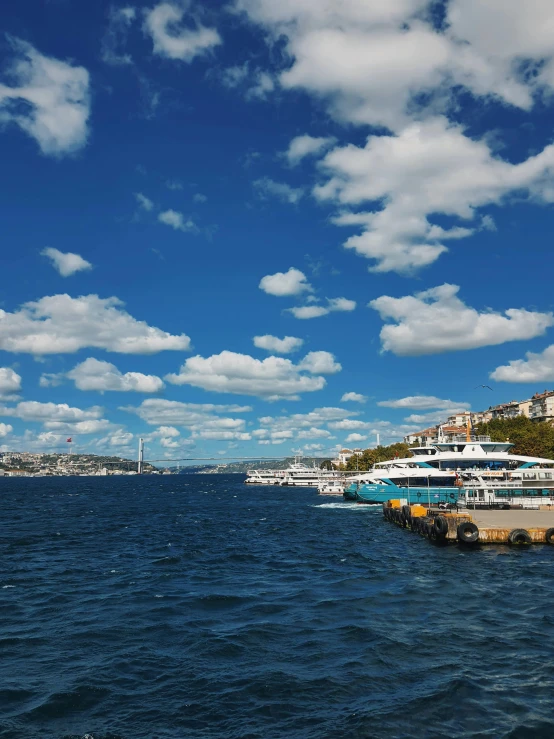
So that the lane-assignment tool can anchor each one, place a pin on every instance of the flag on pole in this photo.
(69, 440)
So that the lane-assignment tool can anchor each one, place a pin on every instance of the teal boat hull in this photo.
(374, 493)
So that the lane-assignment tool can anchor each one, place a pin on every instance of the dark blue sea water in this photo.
(195, 606)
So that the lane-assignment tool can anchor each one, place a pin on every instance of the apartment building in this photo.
(542, 406)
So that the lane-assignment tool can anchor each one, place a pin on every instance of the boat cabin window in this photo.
(421, 482)
(475, 464)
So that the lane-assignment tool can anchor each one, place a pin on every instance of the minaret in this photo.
(140, 456)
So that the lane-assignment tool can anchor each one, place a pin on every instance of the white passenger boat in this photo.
(264, 477)
(300, 475)
(470, 471)
(297, 475)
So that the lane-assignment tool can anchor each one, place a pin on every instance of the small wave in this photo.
(161, 561)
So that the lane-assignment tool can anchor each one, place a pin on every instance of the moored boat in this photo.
(460, 470)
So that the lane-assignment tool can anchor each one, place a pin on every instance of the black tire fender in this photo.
(440, 525)
(468, 533)
(519, 536)
(549, 536)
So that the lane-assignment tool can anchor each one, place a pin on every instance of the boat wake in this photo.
(347, 506)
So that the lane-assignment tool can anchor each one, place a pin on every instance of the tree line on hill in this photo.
(369, 457)
(530, 438)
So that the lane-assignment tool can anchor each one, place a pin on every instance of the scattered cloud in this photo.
(10, 383)
(355, 437)
(320, 363)
(66, 263)
(266, 187)
(428, 168)
(60, 324)
(436, 321)
(334, 305)
(59, 416)
(55, 97)
(287, 345)
(93, 374)
(422, 402)
(282, 284)
(272, 378)
(437, 416)
(303, 146)
(115, 37)
(120, 439)
(5, 429)
(536, 367)
(144, 202)
(178, 221)
(199, 198)
(349, 424)
(254, 82)
(174, 185)
(175, 40)
(393, 67)
(354, 397)
(200, 419)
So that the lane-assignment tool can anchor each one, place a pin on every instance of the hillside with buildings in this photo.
(538, 409)
(26, 464)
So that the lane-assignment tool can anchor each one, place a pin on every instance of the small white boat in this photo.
(331, 487)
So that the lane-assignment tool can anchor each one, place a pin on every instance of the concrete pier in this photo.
(471, 527)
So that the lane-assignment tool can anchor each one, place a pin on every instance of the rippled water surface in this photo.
(195, 606)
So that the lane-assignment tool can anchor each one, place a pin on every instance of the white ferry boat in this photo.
(297, 475)
(300, 475)
(264, 477)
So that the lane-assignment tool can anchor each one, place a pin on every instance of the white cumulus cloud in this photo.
(10, 382)
(175, 40)
(60, 324)
(272, 378)
(428, 168)
(354, 397)
(303, 146)
(536, 367)
(287, 345)
(421, 402)
(436, 320)
(59, 416)
(5, 429)
(355, 437)
(334, 305)
(93, 374)
(55, 96)
(194, 416)
(178, 221)
(281, 284)
(66, 263)
(322, 363)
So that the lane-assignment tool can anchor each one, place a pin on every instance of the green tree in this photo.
(369, 457)
(327, 465)
(530, 438)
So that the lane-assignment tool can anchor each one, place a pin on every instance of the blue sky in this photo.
(258, 228)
